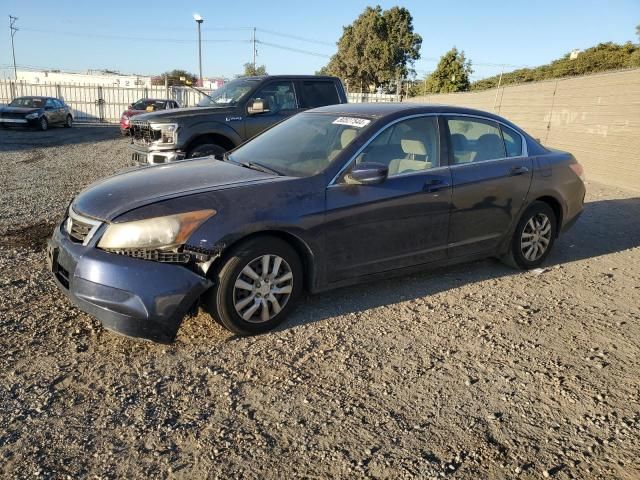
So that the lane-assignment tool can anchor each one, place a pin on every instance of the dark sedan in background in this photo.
(330, 197)
(144, 105)
(36, 112)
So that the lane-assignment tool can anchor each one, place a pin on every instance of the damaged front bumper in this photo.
(133, 297)
(145, 156)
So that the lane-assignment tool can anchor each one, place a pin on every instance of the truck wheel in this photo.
(206, 150)
(256, 287)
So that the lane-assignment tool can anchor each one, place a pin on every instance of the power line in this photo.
(128, 38)
(295, 37)
(291, 49)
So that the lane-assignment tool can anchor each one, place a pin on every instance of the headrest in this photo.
(413, 147)
(459, 142)
(347, 137)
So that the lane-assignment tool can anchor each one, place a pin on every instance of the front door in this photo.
(280, 100)
(400, 222)
(491, 175)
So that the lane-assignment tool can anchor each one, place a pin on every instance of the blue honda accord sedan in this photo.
(330, 197)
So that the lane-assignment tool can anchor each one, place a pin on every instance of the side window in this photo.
(317, 93)
(512, 141)
(405, 147)
(49, 103)
(474, 140)
(57, 103)
(279, 96)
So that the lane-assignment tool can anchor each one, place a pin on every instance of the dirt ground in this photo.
(474, 371)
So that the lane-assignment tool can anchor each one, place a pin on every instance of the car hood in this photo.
(166, 116)
(23, 110)
(126, 191)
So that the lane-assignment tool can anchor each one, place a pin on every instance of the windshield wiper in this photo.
(261, 168)
(200, 91)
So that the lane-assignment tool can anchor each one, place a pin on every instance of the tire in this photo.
(43, 124)
(533, 237)
(205, 150)
(68, 123)
(236, 293)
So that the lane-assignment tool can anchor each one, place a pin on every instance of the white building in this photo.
(92, 77)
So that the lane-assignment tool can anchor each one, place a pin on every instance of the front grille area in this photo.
(78, 230)
(152, 254)
(142, 133)
(12, 115)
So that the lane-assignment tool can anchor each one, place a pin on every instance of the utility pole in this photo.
(14, 29)
(495, 100)
(199, 21)
(254, 50)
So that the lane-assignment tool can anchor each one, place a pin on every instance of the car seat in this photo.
(412, 148)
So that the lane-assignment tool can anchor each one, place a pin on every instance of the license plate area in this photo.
(58, 270)
(140, 158)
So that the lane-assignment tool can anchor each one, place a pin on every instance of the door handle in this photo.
(518, 171)
(434, 184)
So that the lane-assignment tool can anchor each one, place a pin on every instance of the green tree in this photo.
(601, 58)
(174, 78)
(451, 74)
(378, 48)
(251, 71)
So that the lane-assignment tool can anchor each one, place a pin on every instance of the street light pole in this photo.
(14, 29)
(199, 21)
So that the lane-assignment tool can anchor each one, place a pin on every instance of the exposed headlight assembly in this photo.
(31, 116)
(168, 133)
(158, 232)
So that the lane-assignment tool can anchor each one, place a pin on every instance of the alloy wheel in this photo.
(263, 288)
(536, 237)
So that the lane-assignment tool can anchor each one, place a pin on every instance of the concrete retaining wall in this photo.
(596, 117)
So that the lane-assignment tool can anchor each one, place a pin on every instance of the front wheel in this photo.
(533, 238)
(43, 124)
(256, 287)
(205, 150)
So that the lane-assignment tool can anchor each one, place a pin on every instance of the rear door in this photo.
(318, 93)
(400, 222)
(282, 102)
(491, 174)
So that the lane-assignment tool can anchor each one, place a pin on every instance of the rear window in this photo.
(319, 93)
(512, 141)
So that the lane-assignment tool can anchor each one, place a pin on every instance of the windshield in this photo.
(28, 102)
(303, 145)
(149, 105)
(229, 93)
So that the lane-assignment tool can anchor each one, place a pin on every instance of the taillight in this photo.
(578, 170)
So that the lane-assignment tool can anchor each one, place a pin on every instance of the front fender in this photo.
(212, 127)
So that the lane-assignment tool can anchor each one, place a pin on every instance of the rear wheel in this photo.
(256, 287)
(205, 150)
(68, 122)
(533, 238)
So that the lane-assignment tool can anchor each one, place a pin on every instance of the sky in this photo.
(150, 37)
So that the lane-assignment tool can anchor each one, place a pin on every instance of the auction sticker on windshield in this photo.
(352, 121)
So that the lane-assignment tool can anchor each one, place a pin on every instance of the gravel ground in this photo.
(468, 372)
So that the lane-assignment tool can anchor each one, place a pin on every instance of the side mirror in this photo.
(367, 173)
(259, 105)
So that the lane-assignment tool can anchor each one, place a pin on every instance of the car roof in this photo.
(383, 109)
(289, 77)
